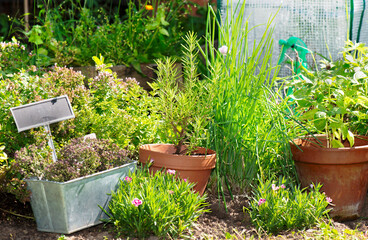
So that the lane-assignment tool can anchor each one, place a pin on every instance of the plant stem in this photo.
(17, 214)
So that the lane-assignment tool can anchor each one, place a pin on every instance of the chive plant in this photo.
(247, 131)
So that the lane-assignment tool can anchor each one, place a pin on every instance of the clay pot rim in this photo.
(144, 147)
(315, 145)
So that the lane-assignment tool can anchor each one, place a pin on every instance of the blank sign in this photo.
(42, 113)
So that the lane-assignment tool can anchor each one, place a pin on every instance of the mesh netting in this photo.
(324, 26)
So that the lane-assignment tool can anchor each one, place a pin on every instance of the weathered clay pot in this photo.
(195, 168)
(342, 171)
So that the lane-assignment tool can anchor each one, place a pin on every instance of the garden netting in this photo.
(324, 26)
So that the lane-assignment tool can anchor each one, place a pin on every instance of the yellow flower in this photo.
(149, 7)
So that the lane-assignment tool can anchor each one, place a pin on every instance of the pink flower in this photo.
(223, 50)
(261, 201)
(328, 199)
(128, 179)
(185, 180)
(311, 186)
(171, 191)
(274, 187)
(170, 171)
(282, 186)
(136, 202)
(151, 161)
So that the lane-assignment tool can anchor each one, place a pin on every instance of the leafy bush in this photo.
(159, 204)
(3, 165)
(110, 107)
(76, 159)
(13, 57)
(122, 110)
(143, 33)
(278, 207)
(22, 88)
(333, 100)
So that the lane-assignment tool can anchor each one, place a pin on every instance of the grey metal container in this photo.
(74, 205)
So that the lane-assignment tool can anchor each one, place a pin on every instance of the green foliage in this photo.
(327, 231)
(110, 107)
(157, 204)
(334, 100)
(22, 88)
(123, 102)
(13, 57)
(98, 108)
(247, 130)
(4, 166)
(279, 206)
(71, 33)
(76, 159)
(183, 103)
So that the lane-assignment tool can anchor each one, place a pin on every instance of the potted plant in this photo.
(185, 115)
(330, 105)
(66, 194)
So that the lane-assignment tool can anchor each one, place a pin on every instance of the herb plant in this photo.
(80, 157)
(334, 99)
(247, 130)
(157, 204)
(183, 103)
(279, 206)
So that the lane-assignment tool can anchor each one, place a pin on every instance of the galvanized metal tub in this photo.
(74, 205)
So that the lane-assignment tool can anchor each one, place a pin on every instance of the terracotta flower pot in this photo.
(342, 171)
(196, 168)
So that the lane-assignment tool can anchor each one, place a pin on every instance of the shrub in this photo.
(13, 57)
(108, 106)
(22, 88)
(278, 207)
(159, 204)
(122, 110)
(3, 165)
(76, 159)
(73, 37)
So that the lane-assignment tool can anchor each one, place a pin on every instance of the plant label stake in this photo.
(43, 113)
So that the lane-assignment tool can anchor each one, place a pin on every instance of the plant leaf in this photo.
(163, 31)
(336, 144)
(350, 137)
(309, 115)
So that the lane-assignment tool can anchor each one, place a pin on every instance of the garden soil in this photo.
(213, 225)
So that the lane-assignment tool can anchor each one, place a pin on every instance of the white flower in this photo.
(223, 50)
(329, 81)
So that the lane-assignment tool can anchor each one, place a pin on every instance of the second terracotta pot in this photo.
(342, 171)
(196, 168)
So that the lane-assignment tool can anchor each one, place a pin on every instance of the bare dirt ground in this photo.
(217, 224)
